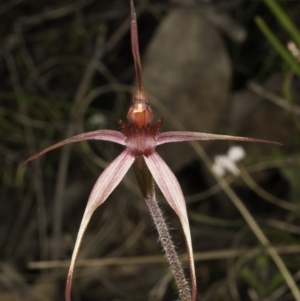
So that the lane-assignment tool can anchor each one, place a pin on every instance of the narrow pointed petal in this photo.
(170, 188)
(105, 135)
(105, 184)
(178, 136)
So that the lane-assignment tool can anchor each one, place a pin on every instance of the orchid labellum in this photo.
(140, 139)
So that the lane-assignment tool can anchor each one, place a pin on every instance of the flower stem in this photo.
(169, 248)
(146, 184)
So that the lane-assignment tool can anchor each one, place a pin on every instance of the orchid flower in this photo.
(140, 139)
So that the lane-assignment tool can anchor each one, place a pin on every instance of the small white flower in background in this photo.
(294, 50)
(236, 153)
(227, 162)
(98, 120)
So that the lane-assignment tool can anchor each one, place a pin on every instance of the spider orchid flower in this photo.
(140, 139)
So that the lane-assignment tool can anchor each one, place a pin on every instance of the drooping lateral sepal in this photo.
(105, 184)
(169, 186)
(146, 183)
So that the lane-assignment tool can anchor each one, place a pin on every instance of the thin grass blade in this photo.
(284, 20)
(278, 46)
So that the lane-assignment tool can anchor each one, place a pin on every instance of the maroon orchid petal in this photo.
(170, 188)
(168, 137)
(105, 184)
(105, 135)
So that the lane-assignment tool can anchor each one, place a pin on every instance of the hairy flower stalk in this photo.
(147, 186)
(140, 139)
(169, 248)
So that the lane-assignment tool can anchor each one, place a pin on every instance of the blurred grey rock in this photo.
(188, 69)
(252, 115)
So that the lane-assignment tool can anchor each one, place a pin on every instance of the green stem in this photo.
(283, 52)
(147, 186)
(284, 20)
